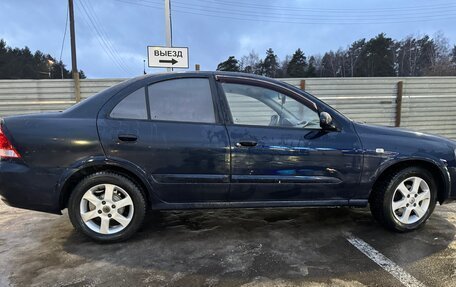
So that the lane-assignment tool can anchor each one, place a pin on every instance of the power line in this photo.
(319, 15)
(317, 9)
(159, 6)
(100, 38)
(363, 13)
(103, 41)
(262, 18)
(338, 18)
(105, 35)
(312, 23)
(64, 34)
(294, 13)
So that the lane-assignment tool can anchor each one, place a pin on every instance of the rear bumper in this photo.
(27, 188)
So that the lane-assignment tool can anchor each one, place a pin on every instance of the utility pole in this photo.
(169, 40)
(74, 66)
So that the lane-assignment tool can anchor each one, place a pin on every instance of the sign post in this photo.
(166, 57)
(168, 29)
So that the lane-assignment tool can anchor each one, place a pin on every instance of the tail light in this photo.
(6, 149)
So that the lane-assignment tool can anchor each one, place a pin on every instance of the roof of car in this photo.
(225, 73)
(91, 105)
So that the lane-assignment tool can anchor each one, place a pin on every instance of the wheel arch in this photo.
(439, 172)
(72, 179)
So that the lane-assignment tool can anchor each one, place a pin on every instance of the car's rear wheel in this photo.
(107, 207)
(404, 200)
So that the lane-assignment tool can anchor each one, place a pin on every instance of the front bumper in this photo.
(452, 194)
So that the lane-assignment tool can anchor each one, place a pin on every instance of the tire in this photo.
(93, 211)
(404, 200)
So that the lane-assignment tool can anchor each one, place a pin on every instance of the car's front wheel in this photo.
(404, 200)
(107, 207)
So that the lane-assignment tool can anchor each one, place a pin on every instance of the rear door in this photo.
(171, 130)
(279, 151)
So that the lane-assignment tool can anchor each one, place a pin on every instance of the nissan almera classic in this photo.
(215, 140)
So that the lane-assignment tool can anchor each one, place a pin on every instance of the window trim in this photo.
(146, 89)
(123, 98)
(265, 85)
(125, 93)
(211, 88)
(268, 85)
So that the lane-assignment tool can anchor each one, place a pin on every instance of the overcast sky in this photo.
(212, 29)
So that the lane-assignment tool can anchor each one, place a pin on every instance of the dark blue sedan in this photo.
(215, 140)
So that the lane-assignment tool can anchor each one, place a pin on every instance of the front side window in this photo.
(184, 100)
(253, 105)
(132, 106)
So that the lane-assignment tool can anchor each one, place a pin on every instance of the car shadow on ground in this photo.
(233, 247)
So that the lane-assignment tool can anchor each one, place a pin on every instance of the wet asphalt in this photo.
(249, 247)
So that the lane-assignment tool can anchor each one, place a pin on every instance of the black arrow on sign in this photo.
(172, 61)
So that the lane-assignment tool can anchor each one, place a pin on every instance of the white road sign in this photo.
(164, 57)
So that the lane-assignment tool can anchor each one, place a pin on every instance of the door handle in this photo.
(128, 138)
(246, 143)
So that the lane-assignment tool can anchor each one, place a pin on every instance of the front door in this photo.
(170, 129)
(279, 151)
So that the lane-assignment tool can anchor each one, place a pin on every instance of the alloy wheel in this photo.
(106, 208)
(411, 200)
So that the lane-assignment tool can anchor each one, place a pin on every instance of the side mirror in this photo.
(326, 121)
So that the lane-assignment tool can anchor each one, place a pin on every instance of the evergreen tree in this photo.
(18, 63)
(270, 64)
(380, 56)
(297, 65)
(232, 64)
(328, 67)
(283, 67)
(3, 58)
(311, 69)
(356, 57)
(82, 74)
(377, 57)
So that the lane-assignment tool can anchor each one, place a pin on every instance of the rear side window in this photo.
(183, 100)
(132, 106)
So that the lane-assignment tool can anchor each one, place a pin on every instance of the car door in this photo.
(171, 130)
(279, 152)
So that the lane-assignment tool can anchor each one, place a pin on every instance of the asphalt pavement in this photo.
(238, 247)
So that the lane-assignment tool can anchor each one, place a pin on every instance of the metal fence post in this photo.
(303, 85)
(400, 85)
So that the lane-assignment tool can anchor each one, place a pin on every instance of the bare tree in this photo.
(250, 63)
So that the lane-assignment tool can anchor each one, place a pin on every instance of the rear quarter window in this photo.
(132, 106)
